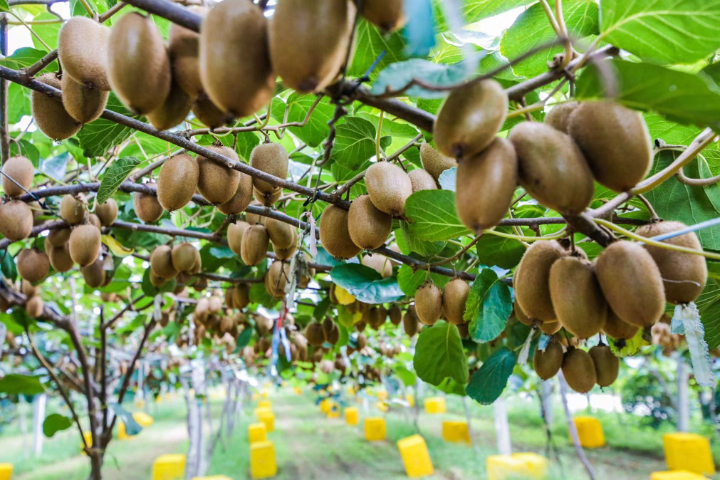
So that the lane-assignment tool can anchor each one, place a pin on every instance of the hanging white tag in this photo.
(689, 316)
(525, 351)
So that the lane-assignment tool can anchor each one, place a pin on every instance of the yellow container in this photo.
(375, 429)
(676, 475)
(536, 466)
(456, 432)
(688, 451)
(265, 404)
(520, 465)
(262, 460)
(298, 390)
(589, 431)
(6, 470)
(261, 411)
(334, 411)
(88, 440)
(415, 456)
(268, 418)
(351, 416)
(214, 477)
(169, 467)
(122, 432)
(382, 406)
(435, 405)
(410, 399)
(143, 419)
(158, 399)
(382, 395)
(257, 432)
(326, 405)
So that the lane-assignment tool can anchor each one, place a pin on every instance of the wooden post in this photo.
(683, 401)
(502, 427)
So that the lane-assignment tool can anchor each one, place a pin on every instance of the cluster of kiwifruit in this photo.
(432, 303)
(179, 261)
(213, 315)
(34, 305)
(318, 333)
(662, 336)
(16, 217)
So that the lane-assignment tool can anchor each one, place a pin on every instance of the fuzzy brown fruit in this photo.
(271, 158)
(60, 258)
(389, 187)
(183, 47)
(16, 220)
(84, 244)
(147, 207)
(177, 182)
(395, 314)
(532, 280)
(421, 180)
(32, 265)
(49, 113)
(183, 257)
(218, 183)
(411, 324)
(618, 329)
(255, 243)
(368, 226)
(234, 235)
(428, 303)
(579, 370)
(281, 233)
(241, 199)
(161, 262)
(209, 114)
(387, 15)
(434, 162)
(276, 278)
(607, 365)
(547, 363)
(520, 315)
(335, 235)
(34, 307)
(287, 253)
(173, 110)
(94, 274)
(82, 103)
(315, 334)
(72, 209)
(107, 212)
(559, 116)
(59, 237)
(82, 49)
(454, 298)
(21, 170)
(267, 199)
(241, 296)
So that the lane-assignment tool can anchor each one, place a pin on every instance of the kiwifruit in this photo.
(387, 15)
(215, 304)
(421, 180)
(234, 59)
(276, 278)
(618, 329)
(255, 243)
(218, 183)
(94, 274)
(579, 370)
(550, 328)
(454, 298)
(469, 118)
(234, 235)
(331, 330)
(434, 162)
(197, 266)
(209, 114)
(287, 253)
(229, 303)
(486, 184)
(271, 158)
(376, 317)
(173, 110)
(84, 244)
(241, 295)
(177, 182)
(684, 275)
(368, 226)
(559, 116)
(395, 314)
(19, 169)
(361, 326)
(83, 103)
(410, 321)
(59, 237)
(72, 209)
(183, 48)
(161, 262)
(631, 282)
(388, 186)
(38, 213)
(49, 113)
(428, 303)
(547, 362)
(379, 263)
(94, 220)
(183, 257)
(309, 41)
(60, 258)
(32, 265)
(267, 199)
(576, 296)
(615, 141)
(315, 334)
(241, 199)
(552, 168)
(519, 314)
(4, 305)
(138, 63)
(34, 307)
(607, 365)
(28, 289)
(107, 212)
(147, 207)
(253, 218)
(16, 220)
(83, 52)
(334, 233)
(532, 280)
(281, 233)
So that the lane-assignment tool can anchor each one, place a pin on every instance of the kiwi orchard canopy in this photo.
(309, 179)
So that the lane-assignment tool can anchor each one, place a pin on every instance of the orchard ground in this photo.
(311, 446)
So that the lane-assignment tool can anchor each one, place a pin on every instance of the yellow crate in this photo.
(375, 429)
(688, 451)
(589, 431)
(298, 390)
(268, 418)
(158, 399)
(415, 456)
(143, 419)
(410, 399)
(334, 411)
(676, 475)
(262, 460)
(536, 465)
(326, 405)
(122, 432)
(351, 416)
(520, 465)
(435, 405)
(261, 411)
(382, 406)
(214, 477)
(257, 432)
(456, 432)
(265, 404)
(382, 395)
(6, 470)
(169, 467)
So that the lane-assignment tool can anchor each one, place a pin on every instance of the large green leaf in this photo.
(97, 137)
(365, 284)
(488, 383)
(55, 423)
(433, 215)
(500, 251)
(410, 281)
(408, 242)
(667, 31)
(298, 105)
(439, 354)
(391, 128)
(14, 384)
(488, 306)
(709, 306)
(399, 74)
(151, 290)
(370, 44)
(355, 142)
(26, 56)
(131, 426)
(476, 10)
(115, 176)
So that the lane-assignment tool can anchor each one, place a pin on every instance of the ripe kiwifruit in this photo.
(486, 184)
(271, 158)
(173, 110)
(684, 275)
(161, 262)
(334, 233)
(242, 198)
(234, 59)
(234, 235)
(559, 116)
(184, 50)
(434, 162)
(94, 220)
(84, 244)
(19, 169)
(183, 257)
(229, 303)
(395, 314)
(276, 278)
(147, 207)
(267, 199)
(32, 265)
(388, 186)
(82, 49)
(60, 258)
(547, 363)
(255, 243)
(387, 15)
(177, 182)
(287, 253)
(253, 218)
(107, 212)
(519, 314)
(421, 180)
(315, 334)
(209, 114)
(281, 233)
(428, 303)
(532, 280)
(34, 307)
(379, 263)
(376, 317)
(469, 119)
(411, 324)
(576, 296)
(84, 104)
(138, 63)
(331, 330)
(552, 168)
(632, 283)
(16, 220)
(72, 209)
(28, 289)
(579, 370)
(550, 328)
(368, 226)
(616, 143)
(309, 41)
(618, 329)
(607, 365)
(241, 295)
(218, 183)
(454, 298)
(94, 274)
(59, 237)
(49, 113)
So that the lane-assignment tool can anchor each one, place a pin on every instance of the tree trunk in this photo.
(96, 463)
(502, 427)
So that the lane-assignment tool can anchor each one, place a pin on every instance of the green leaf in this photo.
(97, 137)
(18, 102)
(665, 31)
(7, 266)
(399, 74)
(55, 167)
(451, 387)
(410, 281)
(488, 383)
(370, 44)
(246, 142)
(115, 176)
(26, 56)
(448, 179)
(502, 252)
(365, 284)
(408, 377)
(131, 426)
(14, 384)
(709, 306)
(55, 423)
(433, 215)
(410, 242)
(259, 294)
(244, 338)
(439, 354)
(354, 142)
(391, 128)
(476, 10)
(316, 129)
(151, 290)
(488, 307)
(4, 7)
